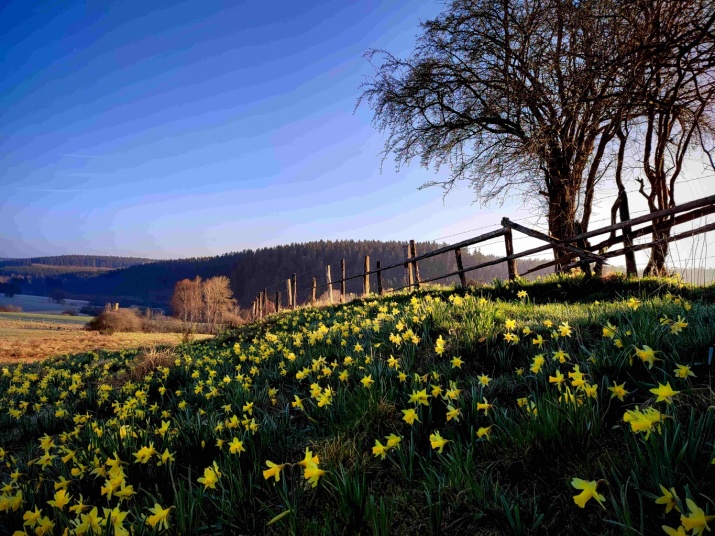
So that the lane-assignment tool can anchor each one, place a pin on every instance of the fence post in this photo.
(329, 281)
(254, 309)
(278, 302)
(509, 244)
(413, 247)
(295, 291)
(289, 291)
(313, 290)
(408, 269)
(343, 294)
(460, 267)
(366, 277)
(260, 305)
(379, 278)
(265, 301)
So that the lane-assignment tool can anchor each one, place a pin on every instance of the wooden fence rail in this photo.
(572, 248)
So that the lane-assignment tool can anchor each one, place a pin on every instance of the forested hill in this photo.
(252, 270)
(84, 261)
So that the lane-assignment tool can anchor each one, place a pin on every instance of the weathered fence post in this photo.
(329, 282)
(294, 300)
(261, 310)
(509, 244)
(254, 309)
(379, 278)
(313, 291)
(343, 294)
(408, 268)
(460, 267)
(278, 302)
(366, 277)
(413, 254)
(265, 301)
(289, 291)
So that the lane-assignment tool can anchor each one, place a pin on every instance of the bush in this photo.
(109, 322)
(70, 312)
(10, 309)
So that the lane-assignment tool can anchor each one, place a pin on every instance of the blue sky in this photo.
(174, 129)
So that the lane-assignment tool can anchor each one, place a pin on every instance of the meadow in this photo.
(40, 304)
(560, 406)
(30, 337)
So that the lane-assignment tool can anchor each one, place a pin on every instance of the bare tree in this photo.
(511, 95)
(187, 301)
(217, 298)
(676, 90)
(532, 95)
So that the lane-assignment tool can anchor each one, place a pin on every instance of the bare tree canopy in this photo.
(675, 90)
(187, 300)
(209, 301)
(522, 95)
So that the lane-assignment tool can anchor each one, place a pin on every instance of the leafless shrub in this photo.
(109, 322)
(149, 360)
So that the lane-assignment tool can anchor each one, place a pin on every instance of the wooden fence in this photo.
(575, 252)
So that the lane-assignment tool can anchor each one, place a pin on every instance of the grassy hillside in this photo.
(498, 410)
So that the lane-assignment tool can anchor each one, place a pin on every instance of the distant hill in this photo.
(152, 282)
(84, 261)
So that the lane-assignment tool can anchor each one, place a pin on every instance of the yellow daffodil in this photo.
(438, 442)
(393, 441)
(618, 391)
(380, 450)
(484, 406)
(312, 473)
(589, 492)
(419, 397)
(485, 432)
(62, 498)
(160, 516)
(668, 499)
(664, 393)
(696, 520)
(274, 470)
(647, 355)
(367, 381)
(211, 476)
(410, 416)
(452, 413)
(678, 325)
(683, 371)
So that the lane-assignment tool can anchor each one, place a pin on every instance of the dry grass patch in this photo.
(20, 342)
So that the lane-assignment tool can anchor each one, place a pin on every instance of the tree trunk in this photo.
(659, 252)
(562, 221)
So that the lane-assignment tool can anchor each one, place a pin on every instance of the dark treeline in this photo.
(253, 270)
(270, 267)
(42, 271)
(88, 261)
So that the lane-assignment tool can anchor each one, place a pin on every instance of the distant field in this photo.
(41, 304)
(28, 340)
(42, 318)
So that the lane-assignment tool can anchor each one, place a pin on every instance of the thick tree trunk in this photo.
(562, 221)
(659, 252)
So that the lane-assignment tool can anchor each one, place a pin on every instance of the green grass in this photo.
(511, 455)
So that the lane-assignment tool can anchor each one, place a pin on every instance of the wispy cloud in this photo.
(49, 190)
(79, 155)
(84, 174)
